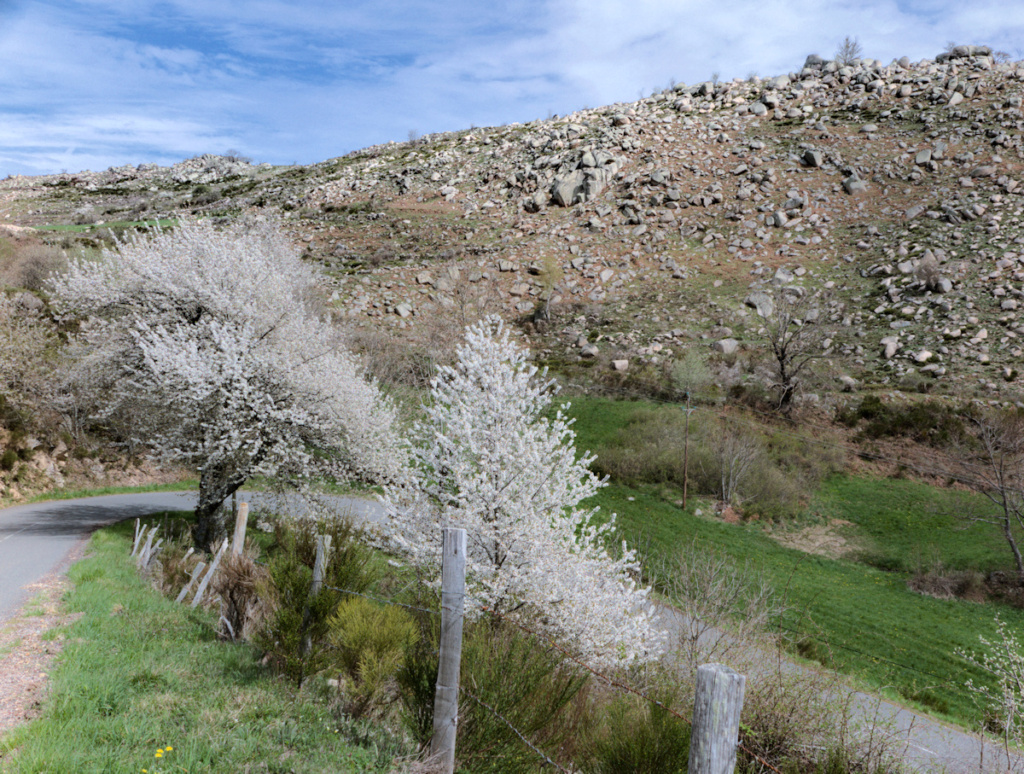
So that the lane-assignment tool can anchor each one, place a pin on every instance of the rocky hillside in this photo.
(647, 227)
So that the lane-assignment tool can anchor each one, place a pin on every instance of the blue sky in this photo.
(88, 84)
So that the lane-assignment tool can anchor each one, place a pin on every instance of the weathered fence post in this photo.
(145, 547)
(716, 719)
(196, 572)
(209, 574)
(241, 520)
(135, 543)
(323, 546)
(446, 693)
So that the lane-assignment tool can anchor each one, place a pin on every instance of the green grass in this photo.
(139, 673)
(857, 619)
(910, 526)
(856, 616)
(185, 485)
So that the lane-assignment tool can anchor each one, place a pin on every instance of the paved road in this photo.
(35, 539)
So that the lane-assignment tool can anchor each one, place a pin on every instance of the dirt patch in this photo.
(26, 655)
(820, 539)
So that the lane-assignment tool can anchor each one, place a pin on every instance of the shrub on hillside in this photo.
(369, 643)
(518, 677)
(929, 421)
(769, 472)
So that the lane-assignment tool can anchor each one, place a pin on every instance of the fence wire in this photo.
(514, 730)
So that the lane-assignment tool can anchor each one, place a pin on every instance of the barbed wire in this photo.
(617, 684)
(514, 730)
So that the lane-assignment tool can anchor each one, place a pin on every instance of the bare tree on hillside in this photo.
(796, 334)
(849, 50)
(993, 461)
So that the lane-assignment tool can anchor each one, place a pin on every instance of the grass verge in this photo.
(140, 674)
(185, 485)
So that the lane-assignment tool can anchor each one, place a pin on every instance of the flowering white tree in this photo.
(488, 461)
(210, 342)
(1004, 660)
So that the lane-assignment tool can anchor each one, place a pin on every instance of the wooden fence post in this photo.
(196, 572)
(323, 546)
(716, 720)
(145, 547)
(446, 693)
(209, 575)
(135, 543)
(240, 523)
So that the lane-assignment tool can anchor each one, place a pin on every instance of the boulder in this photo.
(854, 185)
(761, 302)
(594, 171)
(890, 345)
(813, 158)
(726, 346)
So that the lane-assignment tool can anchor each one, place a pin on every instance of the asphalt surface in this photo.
(36, 539)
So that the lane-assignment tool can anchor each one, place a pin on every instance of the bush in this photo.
(28, 265)
(370, 643)
(9, 459)
(294, 636)
(519, 677)
(242, 585)
(929, 421)
(770, 472)
(639, 737)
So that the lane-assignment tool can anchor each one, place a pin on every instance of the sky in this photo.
(89, 84)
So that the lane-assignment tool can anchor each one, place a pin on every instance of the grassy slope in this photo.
(858, 618)
(139, 673)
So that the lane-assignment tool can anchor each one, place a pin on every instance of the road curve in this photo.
(36, 539)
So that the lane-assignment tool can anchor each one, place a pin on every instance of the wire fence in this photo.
(615, 681)
(566, 654)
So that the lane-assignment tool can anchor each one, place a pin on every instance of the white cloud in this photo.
(304, 80)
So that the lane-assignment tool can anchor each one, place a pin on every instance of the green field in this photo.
(848, 614)
(115, 225)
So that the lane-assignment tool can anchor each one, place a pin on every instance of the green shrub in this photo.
(519, 677)
(417, 679)
(9, 459)
(770, 472)
(639, 737)
(928, 421)
(294, 636)
(11, 417)
(370, 644)
(526, 683)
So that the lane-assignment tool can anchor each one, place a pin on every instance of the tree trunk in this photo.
(215, 486)
(1008, 534)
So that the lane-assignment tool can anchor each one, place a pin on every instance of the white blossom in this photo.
(211, 342)
(488, 460)
(1004, 661)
